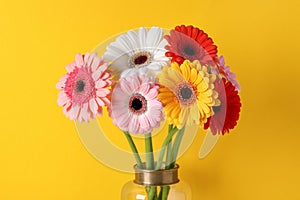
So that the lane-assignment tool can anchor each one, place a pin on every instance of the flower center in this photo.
(140, 58)
(186, 94)
(80, 86)
(216, 108)
(137, 104)
(189, 51)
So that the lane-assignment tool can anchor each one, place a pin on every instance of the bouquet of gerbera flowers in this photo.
(148, 75)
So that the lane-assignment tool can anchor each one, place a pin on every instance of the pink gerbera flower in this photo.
(135, 107)
(226, 73)
(84, 90)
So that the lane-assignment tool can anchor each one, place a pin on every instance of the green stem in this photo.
(176, 146)
(134, 150)
(151, 192)
(160, 193)
(169, 155)
(165, 192)
(149, 151)
(150, 163)
(168, 139)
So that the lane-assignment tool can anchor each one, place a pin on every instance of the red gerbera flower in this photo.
(227, 114)
(190, 43)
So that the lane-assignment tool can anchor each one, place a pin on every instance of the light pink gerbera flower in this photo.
(84, 90)
(135, 107)
(226, 73)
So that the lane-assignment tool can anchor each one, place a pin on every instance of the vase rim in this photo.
(158, 177)
(136, 168)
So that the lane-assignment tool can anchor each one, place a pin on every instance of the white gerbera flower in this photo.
(141, 52)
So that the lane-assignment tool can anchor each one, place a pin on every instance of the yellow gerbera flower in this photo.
(187, 93)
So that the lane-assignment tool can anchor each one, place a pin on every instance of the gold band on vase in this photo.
(156, 177)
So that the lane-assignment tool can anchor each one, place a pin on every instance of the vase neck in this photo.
(156, 177)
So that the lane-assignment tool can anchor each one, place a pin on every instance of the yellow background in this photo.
(41, 156)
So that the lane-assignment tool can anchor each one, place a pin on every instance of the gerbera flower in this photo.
(187, 93)
(227, 113)
(135, 107)
(137, 52)
(190, 43)
(84, 90)
(225, 72)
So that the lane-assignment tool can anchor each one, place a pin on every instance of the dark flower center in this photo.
(186, 93)
(137, 104)
(216, 108)
(189, 51)
(80, 86)
(140, 58)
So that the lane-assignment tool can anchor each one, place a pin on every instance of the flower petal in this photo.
(134, 124)
(95, 64)
(61, 82)
(100, 102)
(79, 59)
(102, 92)
(62, 98)
(93, 106)
(151, 94)
(142, 37)
(75, 112)
(70, 67)
(86, 57)
(154, 37)
(91, 59)
(84, 113)
(144, 123)
(96, 74)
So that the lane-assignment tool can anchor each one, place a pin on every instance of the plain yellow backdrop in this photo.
(41, 156)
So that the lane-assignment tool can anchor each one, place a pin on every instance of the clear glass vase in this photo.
(156, 185)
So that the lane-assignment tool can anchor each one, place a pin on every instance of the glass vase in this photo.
(156, 185)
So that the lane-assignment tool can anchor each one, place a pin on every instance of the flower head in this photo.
(137, 52)
(225, 72)
(190, 43)
(84, 89)
(135, 107)
(187, 93)
(227, 113)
